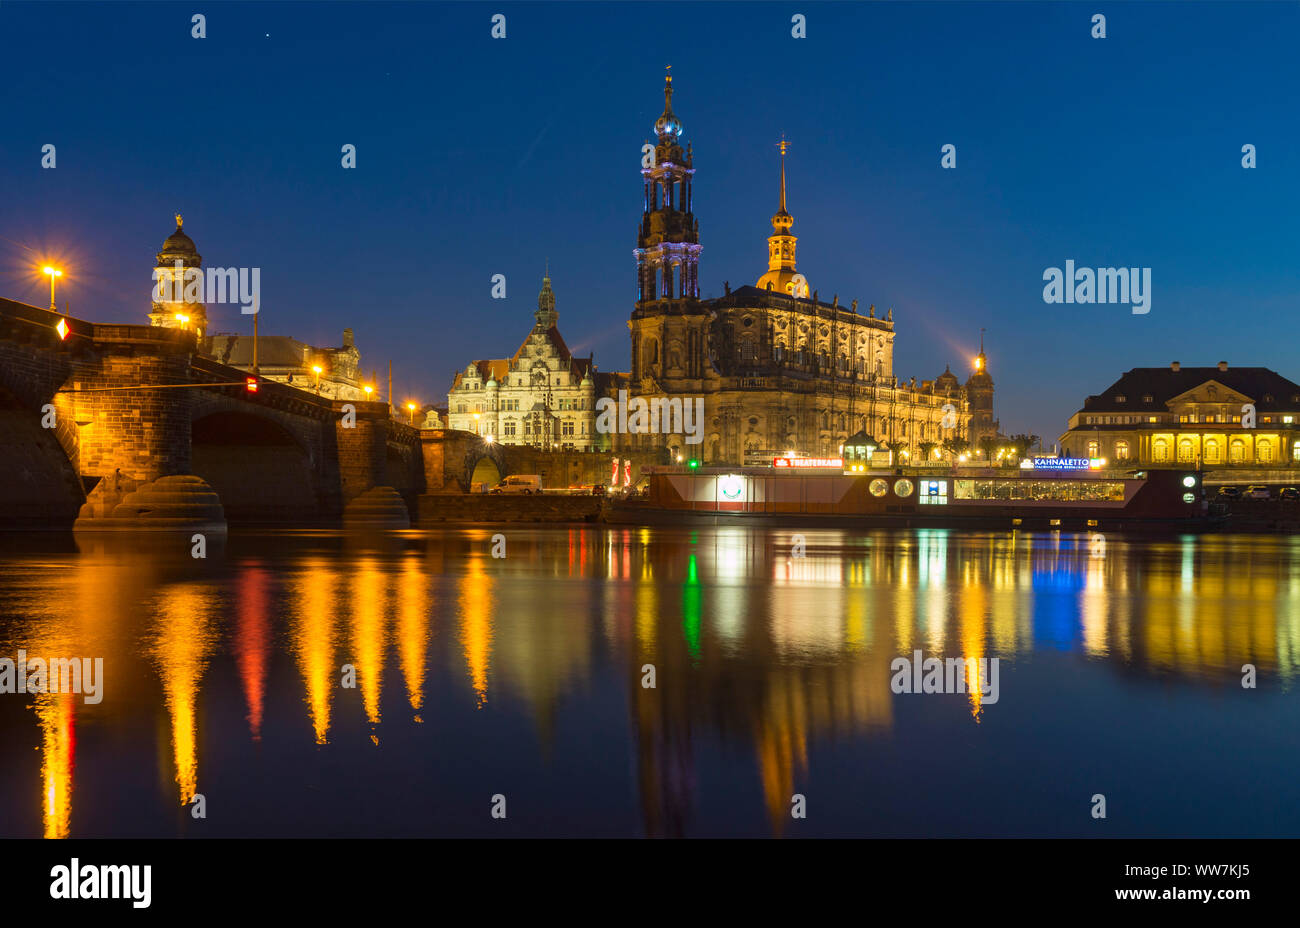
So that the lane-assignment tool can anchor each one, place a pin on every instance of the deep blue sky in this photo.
(479, 156)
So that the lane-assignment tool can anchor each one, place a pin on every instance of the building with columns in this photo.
(1190, 416)
(541, 396)
(177, 314)
(779, 369)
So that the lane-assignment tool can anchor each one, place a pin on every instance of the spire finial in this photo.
(981, 339)
(784, 146)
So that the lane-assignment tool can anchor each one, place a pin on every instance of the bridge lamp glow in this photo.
(368, 390)
(53, 273)
(410, 407)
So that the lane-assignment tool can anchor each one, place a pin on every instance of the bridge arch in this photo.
(480, 460)
(260, 470)
(39, 484)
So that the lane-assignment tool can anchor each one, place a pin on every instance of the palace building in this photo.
(542, 396)
(780, 370)
(1190, 415)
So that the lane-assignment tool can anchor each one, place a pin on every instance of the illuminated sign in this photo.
(808, 462)
(731, 486)
(1062, 463)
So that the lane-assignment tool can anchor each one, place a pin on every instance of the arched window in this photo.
(1264, 451)
(1212, 451)
(1160, 450)
(650, 354)
(1186, 453)
(1236, 451)
(748, 349)
(1121, 451)
(1094, 449)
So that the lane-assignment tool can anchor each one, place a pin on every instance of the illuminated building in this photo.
(168, 281)
(543, 396)
(779, 369)
(1190, 415)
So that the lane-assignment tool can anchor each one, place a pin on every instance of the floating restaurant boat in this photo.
(1073, 496)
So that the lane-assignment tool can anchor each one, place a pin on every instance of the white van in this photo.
(520, 483)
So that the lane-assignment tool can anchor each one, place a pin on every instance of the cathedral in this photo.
(780, 370)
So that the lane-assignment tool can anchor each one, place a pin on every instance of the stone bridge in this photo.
(110, 426)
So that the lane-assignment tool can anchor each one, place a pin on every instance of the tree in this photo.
(927, 450)
(1023, 443)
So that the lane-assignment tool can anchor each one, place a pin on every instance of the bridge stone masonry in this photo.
(146, 434)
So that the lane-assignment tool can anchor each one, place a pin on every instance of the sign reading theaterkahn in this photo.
(808, 462)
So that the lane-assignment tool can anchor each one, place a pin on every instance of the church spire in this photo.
(546, 315)
(782, 276)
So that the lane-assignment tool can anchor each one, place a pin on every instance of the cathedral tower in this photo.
(669, 325)
(174, 311)
(781, 274)
(668, 249)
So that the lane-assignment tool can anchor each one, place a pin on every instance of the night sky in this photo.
(478, 156)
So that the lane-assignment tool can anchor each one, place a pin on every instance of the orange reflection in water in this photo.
(183, 643)
(476, 628)
(413, 629)
(369, 597)
(58, 717)
(311, 597)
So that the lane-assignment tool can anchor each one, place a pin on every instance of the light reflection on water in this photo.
(474, 675)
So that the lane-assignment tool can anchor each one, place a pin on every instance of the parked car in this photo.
(1291, 494)
(526, 484)
(1258, 492)
(1230, 492)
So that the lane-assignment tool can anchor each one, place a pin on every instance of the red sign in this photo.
(807, 462)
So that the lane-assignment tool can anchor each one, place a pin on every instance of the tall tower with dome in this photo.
(170, 312)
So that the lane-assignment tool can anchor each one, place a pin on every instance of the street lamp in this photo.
(410, 407)
(53, 272)
(316, 368)
(476, 431)
(368, 389)
(182, 319)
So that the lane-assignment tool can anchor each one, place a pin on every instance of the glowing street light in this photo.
(317, 370)
(182, 319)
(410, 407)
(368, 390)
(53, 272)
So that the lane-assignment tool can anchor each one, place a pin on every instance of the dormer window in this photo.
(1121, 398)
(1147, 399)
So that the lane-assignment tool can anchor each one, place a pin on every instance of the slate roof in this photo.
(1267, 389)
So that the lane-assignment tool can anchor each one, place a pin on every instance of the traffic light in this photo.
(250, 384)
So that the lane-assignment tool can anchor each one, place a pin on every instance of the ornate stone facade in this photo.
(542, 396)
(779, 369)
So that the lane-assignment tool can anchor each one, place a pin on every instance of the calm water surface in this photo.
(1120, 674)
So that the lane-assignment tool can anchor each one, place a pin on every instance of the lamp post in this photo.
(317, 370)
(53, 273)
(410, 408)
(476, 429)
